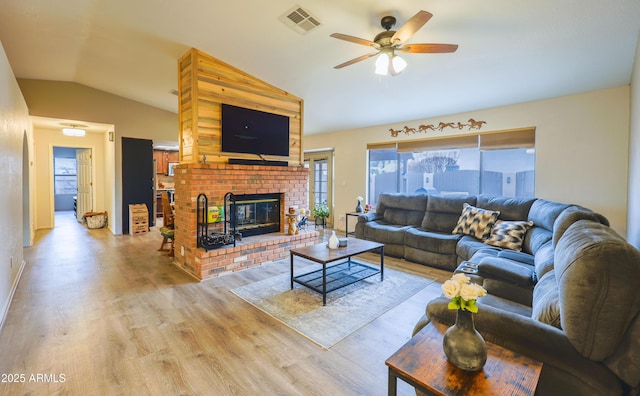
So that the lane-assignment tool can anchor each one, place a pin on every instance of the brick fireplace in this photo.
(215, 180)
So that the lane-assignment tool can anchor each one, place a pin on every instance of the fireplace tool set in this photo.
(215, 240)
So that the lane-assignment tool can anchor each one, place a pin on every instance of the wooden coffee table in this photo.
(344, 269)
(422, 363)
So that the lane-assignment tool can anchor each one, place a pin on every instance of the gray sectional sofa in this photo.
(565, 291)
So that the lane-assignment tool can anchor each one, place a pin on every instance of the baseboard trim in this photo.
(14, 287)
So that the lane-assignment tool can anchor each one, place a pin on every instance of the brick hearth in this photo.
(215, 180)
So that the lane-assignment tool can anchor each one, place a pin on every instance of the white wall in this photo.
(633, 219)
(45, 140)
(581, 149)
(14, 127)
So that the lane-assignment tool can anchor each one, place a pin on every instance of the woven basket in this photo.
(98, 220)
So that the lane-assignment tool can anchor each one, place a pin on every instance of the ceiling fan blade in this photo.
(356, 60)
(428, 48)
(356, 40)
(410, 27)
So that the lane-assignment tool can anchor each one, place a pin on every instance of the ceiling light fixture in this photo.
(73, 131)
(389, 63)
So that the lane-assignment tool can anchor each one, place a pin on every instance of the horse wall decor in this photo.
(470, 124)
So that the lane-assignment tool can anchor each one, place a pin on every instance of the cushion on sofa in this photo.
(469, 247)
(571, 215)
(546, 302)
(476, 222)
(431, 241)
(511, 271)
(598, 275)
(401, 209)
(443, 212)
(402, 201)
(508, 291)
(509, 234)
(517, 256)
(403, 217)
(509, 208)
(432, 259)
(385, 233)
(535, 238)
(543, 259)
(544, 213)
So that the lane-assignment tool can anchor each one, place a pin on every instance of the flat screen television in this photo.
(254, 132)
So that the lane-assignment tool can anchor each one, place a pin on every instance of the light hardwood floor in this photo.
(99, 314)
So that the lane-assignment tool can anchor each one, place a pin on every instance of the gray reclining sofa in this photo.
(565, 290)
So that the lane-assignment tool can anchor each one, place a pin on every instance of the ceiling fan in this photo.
(390, 41)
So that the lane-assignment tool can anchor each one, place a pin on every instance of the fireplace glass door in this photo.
(256, 214)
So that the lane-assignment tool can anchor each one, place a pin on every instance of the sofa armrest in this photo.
(365, 217)
(535, 339)
(515, 272)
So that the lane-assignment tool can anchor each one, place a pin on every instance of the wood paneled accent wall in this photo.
(204, 83)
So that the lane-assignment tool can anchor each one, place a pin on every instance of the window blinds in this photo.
(495, 140)
(515, 138)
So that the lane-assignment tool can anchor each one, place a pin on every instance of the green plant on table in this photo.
(320, 211)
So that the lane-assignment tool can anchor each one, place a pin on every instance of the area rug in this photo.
(347, 310)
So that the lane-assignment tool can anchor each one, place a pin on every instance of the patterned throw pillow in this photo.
(509, 234)
(476, 222)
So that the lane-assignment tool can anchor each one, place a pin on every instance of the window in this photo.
(64, 173)
(493, 163)
(383, 172)
(508, 172)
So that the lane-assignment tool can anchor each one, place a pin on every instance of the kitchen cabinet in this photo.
(163, 157)
(161, 161)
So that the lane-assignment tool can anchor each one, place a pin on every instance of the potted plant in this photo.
(320, 213)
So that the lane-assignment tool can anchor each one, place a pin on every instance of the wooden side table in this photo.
(422, 363)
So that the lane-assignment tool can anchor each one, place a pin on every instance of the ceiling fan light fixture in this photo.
(388, 41)
(382, 64)
(398, 64)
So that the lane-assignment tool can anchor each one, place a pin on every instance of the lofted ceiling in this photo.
(509, 51)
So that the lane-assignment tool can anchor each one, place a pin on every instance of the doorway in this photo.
(320, 165)
(72, 180)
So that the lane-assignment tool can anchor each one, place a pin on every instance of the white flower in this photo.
(359, 198)
(471, 291)
(451, 288)
(461, 279)
(462, 292)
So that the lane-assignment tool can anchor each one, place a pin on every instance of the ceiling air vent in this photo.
(300, 20)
